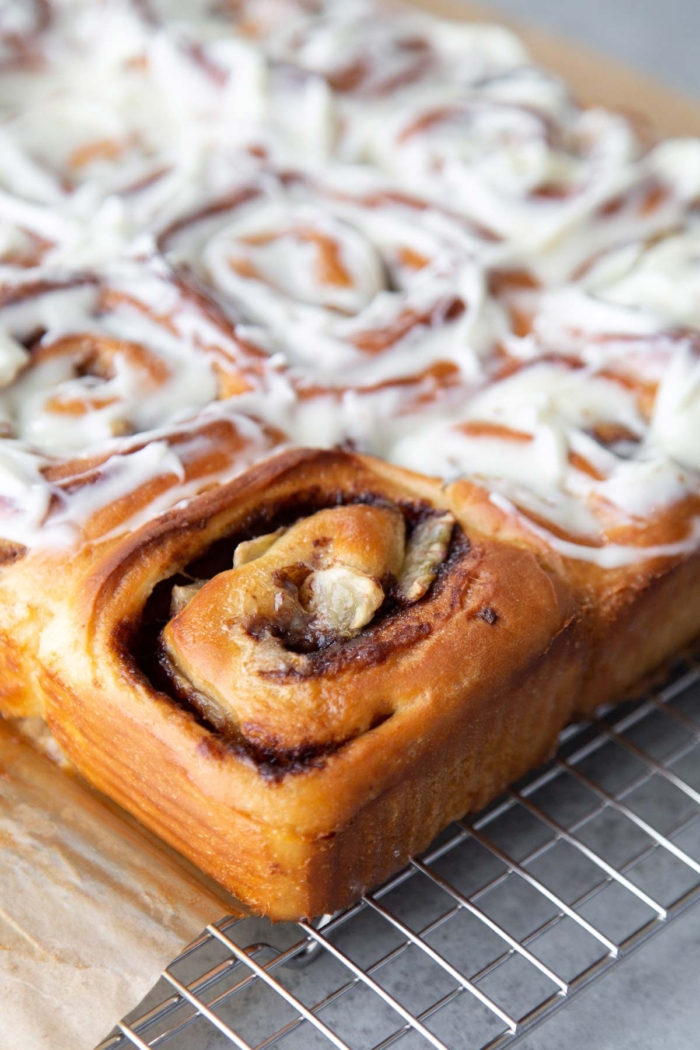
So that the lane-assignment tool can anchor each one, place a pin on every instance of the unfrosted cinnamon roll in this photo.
(299, 605)
(309, 657)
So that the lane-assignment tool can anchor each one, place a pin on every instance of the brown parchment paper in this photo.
(91, 908)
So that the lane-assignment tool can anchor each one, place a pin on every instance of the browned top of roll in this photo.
(298, 643)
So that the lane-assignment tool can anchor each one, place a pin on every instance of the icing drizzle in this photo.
(317, 222)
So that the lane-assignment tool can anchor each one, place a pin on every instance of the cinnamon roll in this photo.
(372, 52)
(117, 399)
(52, 511)
(515, 153)
(309, 658)
(351, 286)
(21, 29)
(95, 358)
(251, 18)
(570, 462)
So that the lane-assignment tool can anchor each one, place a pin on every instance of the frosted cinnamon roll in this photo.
(516, 153)
(350, 289)
(372, 51)
(82, 131)
(631, 314)
(95, 359)
(576, 457)
(238, 237)
(47, 502)
(21, 248)
(644, 289)
(648, 206)
(123, 122)
(569, 462)
(252, 18)
(508, 151)
(114, 402)
(367, 635)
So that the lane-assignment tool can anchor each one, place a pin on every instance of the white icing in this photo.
(339, 178)
(545, 459)
(284, 246)
(321, 283)
(96, 374)
(25, 495)
(660, 285)
(675, 426)
(13, 357)
(677, 161)
(629, 307)
(612, 555)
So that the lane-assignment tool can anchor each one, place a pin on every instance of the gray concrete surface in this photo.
(662, 37)
(651, 1002)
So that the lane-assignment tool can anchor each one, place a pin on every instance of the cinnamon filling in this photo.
(376, 341)
(292, 600)
(324, 579)
(331, 268)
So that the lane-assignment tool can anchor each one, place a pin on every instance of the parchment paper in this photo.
(91, 909)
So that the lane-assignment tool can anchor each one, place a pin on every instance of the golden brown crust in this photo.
(324, 782)
(249, 641)
(647, 623)
(476, 699)
(634, 617)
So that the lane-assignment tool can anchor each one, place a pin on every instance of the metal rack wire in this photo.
(506, 917)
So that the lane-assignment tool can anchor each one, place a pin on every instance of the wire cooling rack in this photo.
(506, 917)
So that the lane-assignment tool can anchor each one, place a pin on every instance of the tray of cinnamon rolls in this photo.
(349, 420)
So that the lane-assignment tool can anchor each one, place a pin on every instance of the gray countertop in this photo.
(661, 38)
(650, 1002)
